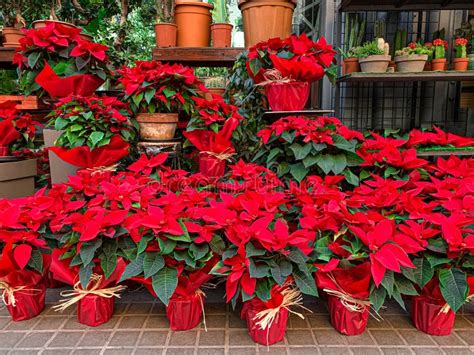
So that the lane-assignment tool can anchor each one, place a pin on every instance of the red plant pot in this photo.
(351, 65)
(345, 321)
(184, 313)
(428, 318)
(460, 64)
(211, 166)
(3, 150)
(273, 334)
(29, 302)
(438, 64)
(95, 310)
(290, 96)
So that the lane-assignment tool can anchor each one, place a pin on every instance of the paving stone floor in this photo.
(139, 326)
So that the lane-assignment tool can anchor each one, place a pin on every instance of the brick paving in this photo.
(139, 326)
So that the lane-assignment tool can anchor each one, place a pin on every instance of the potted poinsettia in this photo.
(156, 93)
(89, 132)
(287, 67)
(17, 133)
(264, 260)
(21, 263)
(176, 250)
(298, 146)
(64, 55)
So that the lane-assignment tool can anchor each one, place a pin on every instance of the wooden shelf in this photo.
(274, 115)
(421, 76)
(198, 57)
(6, 57)
(446, 153)
(405, 5)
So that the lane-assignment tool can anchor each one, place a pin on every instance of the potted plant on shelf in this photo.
(12, 21)
(439, 59)
(165, 29)
(221, 30)
(350, 62)
(193, 19)
(287, 67)
(374, 56)
(264, 19)
(353, 36)
(461, 61)
(412, 58)
(156, 93)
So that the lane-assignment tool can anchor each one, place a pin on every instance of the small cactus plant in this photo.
(440, 50)
(220, 13)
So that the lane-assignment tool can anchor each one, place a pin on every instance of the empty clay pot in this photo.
(194, 21)
(12, 37)
(165, 34)
(221, 34)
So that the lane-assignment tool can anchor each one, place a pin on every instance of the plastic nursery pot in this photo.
(221, 34)
(193, 20)
(411, 63)
(157, 126)
(374, 63)
(211, 166)
(12, 37)
(273, 334)
(185, 313)
(266, 19)
(460, 64)
(438, 64)
(165, 34)
(351, 65)
(43, 23)
(94, 310)
(28, 302)
(345, 321)
(290, 96)
(429, 318)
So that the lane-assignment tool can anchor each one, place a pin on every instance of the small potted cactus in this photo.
(374, 56)
(439, 59)
(221, 30)
(461, 61)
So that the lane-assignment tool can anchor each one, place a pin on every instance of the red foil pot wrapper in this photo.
(28, 302)
(273, 334)
(290, 96)
(94, 310)
(428, 318)
(211, 166)
(184, 313)
(345, 321)
(3, 150)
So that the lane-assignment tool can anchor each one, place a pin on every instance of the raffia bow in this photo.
(78, 293)
(273, 76)
(446, 308)
(200, 293)
(9, 292)
(103, 169)
(220, 156)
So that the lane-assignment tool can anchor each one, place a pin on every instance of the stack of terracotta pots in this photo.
(264, 19)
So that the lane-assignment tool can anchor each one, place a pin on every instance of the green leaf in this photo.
(310, 160)
(152, 263)
(298, 171)
(133, 269)
(199, 250)
(85, 272)
(33, 59)
(305, 282)
(388, 282)
(149, 94)
(88, 250)
(343, 144)
(351, 178)
(262, 290)
(81, 62)
(259, 270)
(36, 261)
(108, 259)
(405, 287)
(95, 138)
(183, 255)
(289, 137)
(164, 283)
(435, 260)
(273, 153)
(60, 123)
(454, 288)
(300, 152)
(339, 163)
(168, 92)
(297, 256)
(229, 253)
(166, 246)
(423, 272)
(326, 163)
(250, 251)
(137, 99)
(377, 297)
(277, 274)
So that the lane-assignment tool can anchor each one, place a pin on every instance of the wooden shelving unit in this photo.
(405, 5)
(408, 77)
(198, 57)
(6, 58)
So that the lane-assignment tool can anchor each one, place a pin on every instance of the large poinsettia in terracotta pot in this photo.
(156, 93)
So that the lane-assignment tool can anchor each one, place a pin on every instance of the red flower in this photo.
(86, 48)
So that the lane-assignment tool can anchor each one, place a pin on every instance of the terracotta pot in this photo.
(351, 65)
(374, 63)
(212, 91)
(427, 66)
(43, 23)
(86, 37)
(157, 126)
(460, 64)
(221, 34)
(12, 37)
(411, 63)
(266, 19)
(165, 34)
(438, 64)
(194, 21)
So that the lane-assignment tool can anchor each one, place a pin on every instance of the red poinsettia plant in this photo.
(296, 57)
(63, 50)
(156, 87)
